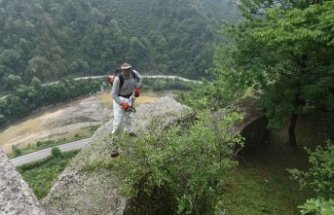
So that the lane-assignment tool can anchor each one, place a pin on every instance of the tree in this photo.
(2, 119)
(36, 84)
(52, 39)
(13, 82)
(255, 8)
(15, 106)
(38, 67)
(286, 56)
(137, 52)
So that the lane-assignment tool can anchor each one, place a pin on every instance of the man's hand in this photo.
(136, 91)
(124, 106)
(110, 79)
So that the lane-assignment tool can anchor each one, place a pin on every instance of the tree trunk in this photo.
(292, 130)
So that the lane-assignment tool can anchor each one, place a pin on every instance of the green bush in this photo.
(55, 151)
(41, 175)
(16, 151)
(180, 171)
(46, 143)
(318, 206)
(39, 143)
(320, 178)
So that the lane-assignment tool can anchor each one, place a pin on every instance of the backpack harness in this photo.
(121, 81)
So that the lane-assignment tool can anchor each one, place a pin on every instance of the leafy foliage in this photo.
(41, 175)
(284, 54)
(57, 38)
(318, 206)
(16, 151)
(211, 95)
(55, 152)
(320, 177)
(184, 169)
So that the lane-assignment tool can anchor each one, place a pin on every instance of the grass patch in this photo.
(107, 102)
(42, 174)
(39, 145)
(34, 124)
(261, 184)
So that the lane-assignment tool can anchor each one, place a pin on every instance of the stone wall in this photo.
(16, 198)
(253, 127)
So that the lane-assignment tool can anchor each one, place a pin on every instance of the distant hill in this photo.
(219, 10)
(53, 39)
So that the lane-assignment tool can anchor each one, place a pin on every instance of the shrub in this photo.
(17, 151)
(39, 143)
(55, 151)
(320, 178)
(318, 206)
(180, 171)
(41, 175)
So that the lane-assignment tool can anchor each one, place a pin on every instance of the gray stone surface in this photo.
(253, 127)
(86, 187)
(16, 198)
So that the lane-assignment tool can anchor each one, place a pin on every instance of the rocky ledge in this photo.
(16, 198)
(86, 186)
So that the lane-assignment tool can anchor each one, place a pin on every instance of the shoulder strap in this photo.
(121, 80)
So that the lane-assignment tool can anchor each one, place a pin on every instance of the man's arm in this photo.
(115, 90)
(137, 78)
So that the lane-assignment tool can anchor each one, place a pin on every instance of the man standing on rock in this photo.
(126, 86)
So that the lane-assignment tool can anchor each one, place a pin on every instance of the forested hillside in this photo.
(53, 39)
(219, 10)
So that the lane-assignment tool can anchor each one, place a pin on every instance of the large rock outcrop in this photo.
(16, 198)
(86, 187)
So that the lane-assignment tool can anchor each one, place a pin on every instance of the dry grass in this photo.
(145, 99)
(106, 99)
(15, 132)
(82, 132)
(45, 125)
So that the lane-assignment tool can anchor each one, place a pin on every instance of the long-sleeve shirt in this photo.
(128, 86)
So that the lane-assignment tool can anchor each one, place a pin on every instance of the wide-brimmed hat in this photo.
(126, 66)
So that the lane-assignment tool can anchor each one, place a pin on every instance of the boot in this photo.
(133, 134)
(114, 153)
(114, 150)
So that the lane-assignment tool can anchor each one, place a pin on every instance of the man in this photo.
(125, 86)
